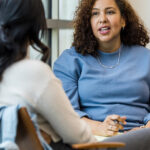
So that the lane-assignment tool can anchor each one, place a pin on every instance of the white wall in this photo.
(142, 8)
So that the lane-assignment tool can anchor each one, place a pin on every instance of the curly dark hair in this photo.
(85, 42)
(20, 27)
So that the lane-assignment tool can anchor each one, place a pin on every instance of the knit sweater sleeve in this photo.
(48, 98)
(37, 86)
(54, 105)
(67, 69)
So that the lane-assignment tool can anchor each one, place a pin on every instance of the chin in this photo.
(104, 40)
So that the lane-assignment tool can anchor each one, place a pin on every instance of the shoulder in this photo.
(29, 69)
(31, 65)
(34, 65)
(138, 55)
(69, 62)
(70, 57)
(138, 49)
(69, 54)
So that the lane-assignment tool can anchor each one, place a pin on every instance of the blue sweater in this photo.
(96, 92)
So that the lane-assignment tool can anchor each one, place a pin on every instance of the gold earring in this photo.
(123, 28)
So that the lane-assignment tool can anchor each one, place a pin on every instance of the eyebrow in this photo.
(105, 8)
(110, 8)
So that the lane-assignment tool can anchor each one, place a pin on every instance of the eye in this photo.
(95, 13)
(110, 12)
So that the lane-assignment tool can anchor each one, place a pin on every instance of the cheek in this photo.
(93, 25)
(116, 23)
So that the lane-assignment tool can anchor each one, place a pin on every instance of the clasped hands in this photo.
(111, 125)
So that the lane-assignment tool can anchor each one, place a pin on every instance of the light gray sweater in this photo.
(32, 83)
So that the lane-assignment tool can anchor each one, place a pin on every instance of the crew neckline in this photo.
(112, 53)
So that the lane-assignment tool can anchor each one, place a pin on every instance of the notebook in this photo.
(101, 138)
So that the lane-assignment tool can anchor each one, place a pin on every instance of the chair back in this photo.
(27, 138)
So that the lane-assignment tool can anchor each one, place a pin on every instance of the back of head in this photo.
(21, 22)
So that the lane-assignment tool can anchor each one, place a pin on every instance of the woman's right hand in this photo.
(109, 127)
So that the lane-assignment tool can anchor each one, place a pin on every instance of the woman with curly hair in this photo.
(108, 76)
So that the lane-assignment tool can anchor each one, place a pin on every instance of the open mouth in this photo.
(104, 30)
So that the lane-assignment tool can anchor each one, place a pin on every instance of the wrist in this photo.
(148, 124)
(143, 126)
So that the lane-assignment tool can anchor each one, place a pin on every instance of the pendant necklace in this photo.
(110, 67)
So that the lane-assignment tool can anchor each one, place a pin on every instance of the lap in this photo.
(134, 140)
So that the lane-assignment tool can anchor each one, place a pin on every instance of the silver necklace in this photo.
(110, 67)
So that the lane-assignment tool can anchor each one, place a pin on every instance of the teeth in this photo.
(102, 29)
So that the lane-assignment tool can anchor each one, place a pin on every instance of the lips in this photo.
(104, 30)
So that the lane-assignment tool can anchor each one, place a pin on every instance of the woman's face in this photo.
(106, 21)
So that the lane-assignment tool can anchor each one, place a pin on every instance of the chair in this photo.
(27, 138)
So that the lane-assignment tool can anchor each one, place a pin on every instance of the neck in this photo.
(28, 52)
(109, 47)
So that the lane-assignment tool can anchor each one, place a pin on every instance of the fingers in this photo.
(133, 129)
(114, 128)
(116, 119)
(110, 133)
(114, 123)
(122, 119)
(108, 130)
(111, 125)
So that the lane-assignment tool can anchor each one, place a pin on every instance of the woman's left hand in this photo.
(133, 129)
(137, 128)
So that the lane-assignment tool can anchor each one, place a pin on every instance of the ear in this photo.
(123, 23)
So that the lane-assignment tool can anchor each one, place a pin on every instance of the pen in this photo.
(116, 121)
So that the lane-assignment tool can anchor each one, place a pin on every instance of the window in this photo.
(60, 14)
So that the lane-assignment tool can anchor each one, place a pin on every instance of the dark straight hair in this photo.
(22, 22)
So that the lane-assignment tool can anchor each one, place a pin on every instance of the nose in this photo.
(103, 18)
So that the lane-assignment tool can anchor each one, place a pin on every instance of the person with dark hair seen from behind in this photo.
(108, 76)
(31, 82)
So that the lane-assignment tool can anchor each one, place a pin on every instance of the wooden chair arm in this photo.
(98, 145)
